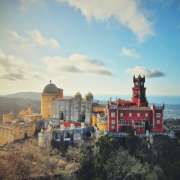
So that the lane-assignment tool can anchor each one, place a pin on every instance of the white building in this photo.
(74, 108)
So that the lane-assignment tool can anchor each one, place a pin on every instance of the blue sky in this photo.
(92, 45)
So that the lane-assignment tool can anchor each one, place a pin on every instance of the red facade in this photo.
(135, 114)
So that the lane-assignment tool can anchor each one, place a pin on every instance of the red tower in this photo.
(139, 91)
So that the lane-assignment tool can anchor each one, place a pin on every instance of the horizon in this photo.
(156, 99)
(84, 46)
(71, 94)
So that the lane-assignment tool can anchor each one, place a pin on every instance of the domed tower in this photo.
(139, 91)
(78, 95)
(89, 104)
(49, 94)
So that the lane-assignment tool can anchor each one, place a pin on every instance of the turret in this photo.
(139, 91)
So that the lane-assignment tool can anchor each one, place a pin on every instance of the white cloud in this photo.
(128, 13)
(150, 73)
(76, 63)
(129, 52)
(15, 68)
(34, 38)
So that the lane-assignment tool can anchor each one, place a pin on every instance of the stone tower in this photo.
(89, 104)
(139, 91)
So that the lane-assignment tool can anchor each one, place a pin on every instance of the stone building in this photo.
(17, 130)
(74, 108)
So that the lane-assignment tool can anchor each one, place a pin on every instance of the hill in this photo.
(16, 104)
(25, 95)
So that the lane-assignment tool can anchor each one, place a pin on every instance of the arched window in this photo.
(61, 116)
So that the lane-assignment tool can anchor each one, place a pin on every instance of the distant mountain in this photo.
(25, 95)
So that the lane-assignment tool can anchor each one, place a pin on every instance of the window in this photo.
(130, 114)
(113, 126)
(121, 122)
(158, 121)
(113, 114)
(113, 122)
(146, 115)
(138, 114)
(158, 115)
(121, 114)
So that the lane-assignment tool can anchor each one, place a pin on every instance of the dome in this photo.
(78, 94)
(50, 88)
(89, 96)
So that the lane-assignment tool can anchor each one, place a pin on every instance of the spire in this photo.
(134, 78)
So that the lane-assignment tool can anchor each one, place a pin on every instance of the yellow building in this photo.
(7, 117)
(26, 111)
(33, 117)
(10, 132)
(99, 117)
(49, 94)
(99, 108)
(27, 115)
(99, 122)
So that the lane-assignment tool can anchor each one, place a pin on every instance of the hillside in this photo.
(16, 104)
(25, 95)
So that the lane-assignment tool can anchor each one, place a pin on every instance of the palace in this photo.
(136, 114)
(67, 108)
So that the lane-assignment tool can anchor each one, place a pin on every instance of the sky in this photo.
(94, 46)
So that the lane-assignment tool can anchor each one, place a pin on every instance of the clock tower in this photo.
(139, 91)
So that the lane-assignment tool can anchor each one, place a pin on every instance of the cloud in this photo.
(150, 73)
(14, 68)
(38, 38)
(128, 13)
(12, 76)
(76, 63)
(129, 52)
(34, 37)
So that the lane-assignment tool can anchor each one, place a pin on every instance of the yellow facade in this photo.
(102, 126)
(28, 115)
(27, 111)
(46, 105)
(99, 108)
(17, 131)
(49, 94)
(98, 123)
(94, 120)
(33, 117)
(8, 117)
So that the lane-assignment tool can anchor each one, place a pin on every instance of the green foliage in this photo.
(133, 144)
(168, 156)
(87, 170)
(108, 160)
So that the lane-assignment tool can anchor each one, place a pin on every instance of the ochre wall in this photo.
(46, 105)
(47, 101)
(17, 132)
(99, 109)
(8, 117)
